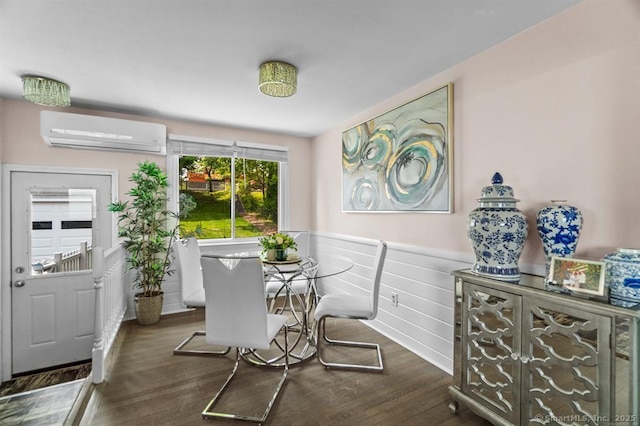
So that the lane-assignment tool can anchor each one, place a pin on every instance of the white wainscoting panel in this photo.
(423, 320)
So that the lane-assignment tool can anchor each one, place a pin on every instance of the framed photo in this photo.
(578, 276)
(401, 161)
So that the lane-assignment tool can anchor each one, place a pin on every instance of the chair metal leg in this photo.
(322, 337)
(180, 351)
(208, 411)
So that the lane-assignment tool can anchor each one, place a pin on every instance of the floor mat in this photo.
(48, 406)
(45, 379)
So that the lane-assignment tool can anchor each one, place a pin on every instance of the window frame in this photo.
(173, 175)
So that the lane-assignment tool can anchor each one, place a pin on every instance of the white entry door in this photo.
(55, 220)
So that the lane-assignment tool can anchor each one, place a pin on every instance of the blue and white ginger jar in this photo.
(622, 275)
(497, 230)
(559, 226)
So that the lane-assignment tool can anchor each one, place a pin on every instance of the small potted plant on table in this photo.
(275, 246)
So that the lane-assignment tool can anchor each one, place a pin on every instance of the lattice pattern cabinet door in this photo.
(490, 347)
(566, 363)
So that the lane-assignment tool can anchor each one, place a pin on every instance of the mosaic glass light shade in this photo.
(278, 79)
(45, 91)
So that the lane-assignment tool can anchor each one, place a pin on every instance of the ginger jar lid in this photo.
(497, 194)
(626, 255)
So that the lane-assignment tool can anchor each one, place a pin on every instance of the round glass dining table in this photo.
(291, 291)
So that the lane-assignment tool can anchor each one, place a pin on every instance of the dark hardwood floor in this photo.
(149, 385)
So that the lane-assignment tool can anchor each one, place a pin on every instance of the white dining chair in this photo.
(191, 290)
(236, 315)
(302, 241)
(348, 306)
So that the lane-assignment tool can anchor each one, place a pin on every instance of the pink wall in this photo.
(555, 109)
(22, 144)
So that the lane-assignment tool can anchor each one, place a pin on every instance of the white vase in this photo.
(497, 231)
(271, 255)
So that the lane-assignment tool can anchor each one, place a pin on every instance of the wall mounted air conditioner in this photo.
(78, 131)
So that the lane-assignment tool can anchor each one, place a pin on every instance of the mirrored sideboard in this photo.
(524, 355)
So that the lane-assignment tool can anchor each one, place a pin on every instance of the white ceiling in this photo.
(197, 60)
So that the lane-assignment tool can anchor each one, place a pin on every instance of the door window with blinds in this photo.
(228, 190)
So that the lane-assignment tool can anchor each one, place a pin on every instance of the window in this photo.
(227, 190)
(61, 228)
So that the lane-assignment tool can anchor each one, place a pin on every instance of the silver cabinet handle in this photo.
(18, 283)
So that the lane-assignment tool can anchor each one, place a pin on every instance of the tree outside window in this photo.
(209, 181)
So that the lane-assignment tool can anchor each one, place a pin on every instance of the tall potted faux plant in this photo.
(143, 222)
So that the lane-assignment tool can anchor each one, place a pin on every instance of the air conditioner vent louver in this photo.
(78, 131)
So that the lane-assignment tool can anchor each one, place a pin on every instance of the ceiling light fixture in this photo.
(45, 91)
(278, 79)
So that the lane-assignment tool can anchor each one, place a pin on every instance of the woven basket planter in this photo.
(148, 309)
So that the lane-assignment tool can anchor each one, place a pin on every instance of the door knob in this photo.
(18, 283)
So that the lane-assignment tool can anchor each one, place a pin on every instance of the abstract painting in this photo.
(402, 160)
